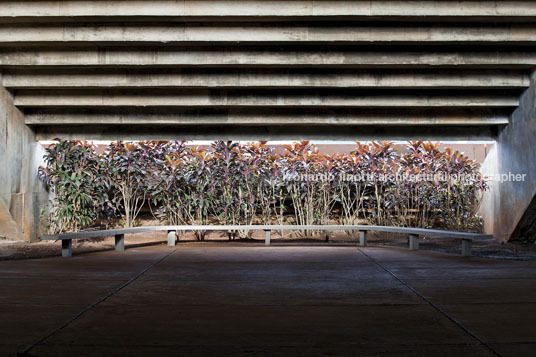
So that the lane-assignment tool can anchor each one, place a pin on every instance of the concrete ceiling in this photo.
(267, 69)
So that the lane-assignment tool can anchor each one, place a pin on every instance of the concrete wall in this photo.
(20, 192)
(505, 204)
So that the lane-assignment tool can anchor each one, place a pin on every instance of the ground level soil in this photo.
(488, 248)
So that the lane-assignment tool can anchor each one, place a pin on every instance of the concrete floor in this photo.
(229, 299)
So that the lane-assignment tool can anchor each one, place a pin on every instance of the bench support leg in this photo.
(171, 238)
(119, 242)
(363, 238)
(67, 248)
(413, 242)
(466, 247)
(267, 238)
(326, 236)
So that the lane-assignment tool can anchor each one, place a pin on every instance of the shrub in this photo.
(72, 178)
(233, 183)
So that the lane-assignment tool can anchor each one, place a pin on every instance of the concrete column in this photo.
(119, 242)
(363, 238)
(267, 238)
(466, 247)
(171, 238)
(67, 248)
(413, 242)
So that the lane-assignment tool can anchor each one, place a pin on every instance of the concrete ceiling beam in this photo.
(227, 58)
(246, 118)
(11, 10)
(184, 34)
(254, 99)
(265, 132)
(256, 78)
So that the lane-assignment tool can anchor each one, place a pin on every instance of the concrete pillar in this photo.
(363, 238)
(171, 238)
(67, 248)
(466, 247)
(267, 238)
(413, 242)
(119, 242)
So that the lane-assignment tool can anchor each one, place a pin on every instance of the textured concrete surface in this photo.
(509, 208)
(9, 227)
(192, 98)
(299, 57)
(249, 117)
(262, 78)
(20, 191)
(187, 34)
(208, 299)
(192, 9)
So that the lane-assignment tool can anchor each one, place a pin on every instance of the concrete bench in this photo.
(413, 233)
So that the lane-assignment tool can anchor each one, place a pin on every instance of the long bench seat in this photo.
(414, 233)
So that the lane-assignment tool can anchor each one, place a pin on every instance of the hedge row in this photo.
(236, 183)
